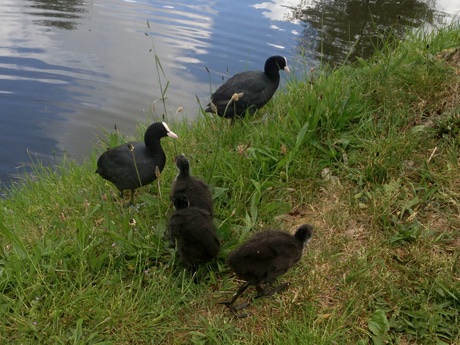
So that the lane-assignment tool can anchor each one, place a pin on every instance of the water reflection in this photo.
(337, 30)
(279, 10)
(62, 14)
(354, 28)
(37, 79)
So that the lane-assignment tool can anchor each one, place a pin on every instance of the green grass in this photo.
(368, 154)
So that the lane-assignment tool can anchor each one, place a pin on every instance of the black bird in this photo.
(196, 190)
(264, 257)
(193, 231)
(249, 90)
(136, 163)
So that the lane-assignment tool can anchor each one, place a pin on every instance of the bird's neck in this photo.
(273, 74)
(154, 146)
(184, 173)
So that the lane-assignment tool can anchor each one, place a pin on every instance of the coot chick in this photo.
(264, 257)
(196, 190)
(135, 164)
(250, 90)
(194, 232)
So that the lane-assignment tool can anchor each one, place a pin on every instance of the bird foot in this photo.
(282, 287)
(234, 309)
(269, 290)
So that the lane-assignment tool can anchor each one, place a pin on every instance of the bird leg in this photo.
(132, 197)
(234, 309)
(281, 287)
(122, 195)
(261, 292)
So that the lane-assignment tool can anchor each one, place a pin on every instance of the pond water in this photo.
(72, 69)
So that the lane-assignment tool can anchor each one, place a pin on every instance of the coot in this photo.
(193, 231)
(135, 164)
(264, 257)
(250, 90)
(196, 190)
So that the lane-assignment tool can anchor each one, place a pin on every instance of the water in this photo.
(71, 69)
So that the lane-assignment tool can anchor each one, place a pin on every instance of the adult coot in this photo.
(136, 163)
(264, 257)
(249, 90)
(193, 231)
(196, 190)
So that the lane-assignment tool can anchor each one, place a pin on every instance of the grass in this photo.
(368, 154)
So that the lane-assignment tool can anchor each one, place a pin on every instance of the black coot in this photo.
(250, 90)
(193, 231)
(135, 164)
(196, 190)
(264, 257)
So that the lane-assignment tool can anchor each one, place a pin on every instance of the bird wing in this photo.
(189, 184)
(114, 165)
(271, 249)
(197, 236)
(175, 224)
(197, 192)
(247, 83)
(199, 227)
(265, 256)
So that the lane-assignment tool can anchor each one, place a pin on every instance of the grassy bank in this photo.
(368, 154)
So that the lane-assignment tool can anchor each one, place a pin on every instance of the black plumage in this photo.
(193, 231)
(197, 191)
(263, 258)
(250, 90)
(136, 163)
